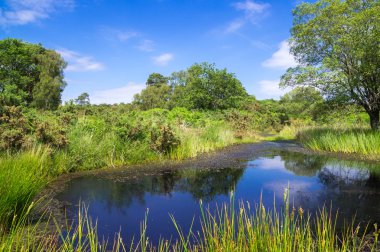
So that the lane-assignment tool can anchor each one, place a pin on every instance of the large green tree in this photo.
(30, 75)
(337, 44)
(210, 88)
(302, 102)
(156, 94)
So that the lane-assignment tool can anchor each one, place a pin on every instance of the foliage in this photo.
(302, 102)
(153, 96)
(14, 129)
(337, 44)
(210, 88)
(156, 79)
(30, 75)
(201, 86)
(83, 99)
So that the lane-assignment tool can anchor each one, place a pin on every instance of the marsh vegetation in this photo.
(334, 107)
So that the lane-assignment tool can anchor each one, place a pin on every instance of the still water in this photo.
(120, 201)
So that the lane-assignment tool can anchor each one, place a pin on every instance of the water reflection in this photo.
(120, 199)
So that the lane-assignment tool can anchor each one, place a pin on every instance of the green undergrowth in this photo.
(232, 227)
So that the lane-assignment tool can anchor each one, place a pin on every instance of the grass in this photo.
(361, 141)
(22, 176)
(196, 141)
(228, 229)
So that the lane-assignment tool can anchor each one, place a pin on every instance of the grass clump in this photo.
(22, 176)
(362, 141)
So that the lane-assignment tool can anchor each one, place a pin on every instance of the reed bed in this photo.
(361, 141)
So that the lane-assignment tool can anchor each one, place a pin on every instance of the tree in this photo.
(156, 79)
(156, 94)
(210, 88)
(302, 101)
(337, 44)
(30, 75)
(83, 99)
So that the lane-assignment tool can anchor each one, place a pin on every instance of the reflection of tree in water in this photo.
(206, 184)
(351, 187)
(301, 164)
(122, 191)
(353, 192)
(335, 175)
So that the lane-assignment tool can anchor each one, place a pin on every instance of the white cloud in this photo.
(146, 45)
(113, 34)
(234, 25)
(124, 36)
(269, 89)
(163, 59)
(21, 12)
(252, 12)
(117, 95)
(250, 7)
(281, 58)
(79, 63)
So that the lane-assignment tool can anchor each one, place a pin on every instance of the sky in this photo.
(112, 46)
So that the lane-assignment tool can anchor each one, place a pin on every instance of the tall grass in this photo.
(22, 176)
(365, 142)
(195, 141)
(227, 229)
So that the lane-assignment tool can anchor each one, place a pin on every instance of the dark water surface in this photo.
(120, 201)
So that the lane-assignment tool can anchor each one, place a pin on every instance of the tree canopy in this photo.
(83, 99)
(210, 88)
(30, 75)
(302, 102)
(337, 44)
(201, 86)
(156, 79)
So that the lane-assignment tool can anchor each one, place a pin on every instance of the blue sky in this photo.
(112, 46)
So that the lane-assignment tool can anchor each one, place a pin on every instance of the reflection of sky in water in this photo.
(313, 182)
(347, 175)
(268, 164)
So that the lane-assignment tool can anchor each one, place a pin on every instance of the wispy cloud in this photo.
(146, 45)
(125, 36)
(118, 34)
(116, 95)
(250, 7)
(163, 59)
(21, 12)
(269, 89)
(252, 12)
(80, 63)
(235, 25)
(281, 58)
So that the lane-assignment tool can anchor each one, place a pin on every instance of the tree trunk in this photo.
(374, 119)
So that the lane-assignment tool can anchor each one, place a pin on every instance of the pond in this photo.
(119, 199)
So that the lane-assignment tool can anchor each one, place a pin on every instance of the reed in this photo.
(362, 141)
(232, 227)
(22, 176)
